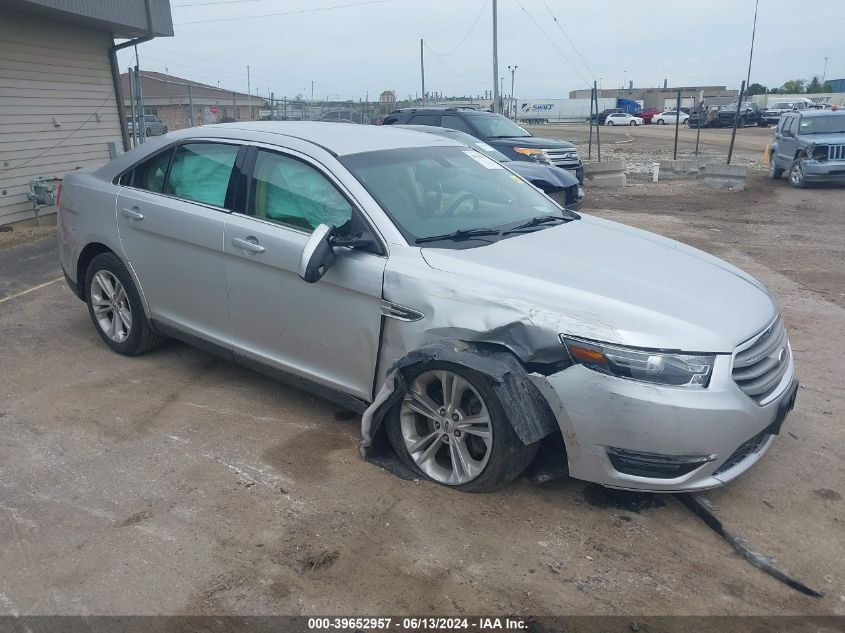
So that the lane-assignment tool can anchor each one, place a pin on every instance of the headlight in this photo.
(679, 370)
(532, 152)
(820, 152)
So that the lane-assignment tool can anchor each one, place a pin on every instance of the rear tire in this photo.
(116, 309)
(496, 459)
(632, 123)
(609, 123)
(775, 172)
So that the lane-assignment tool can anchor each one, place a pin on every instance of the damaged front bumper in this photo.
(639, 436)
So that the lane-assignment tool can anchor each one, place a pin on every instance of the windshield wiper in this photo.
(537, 221)
(460, 234)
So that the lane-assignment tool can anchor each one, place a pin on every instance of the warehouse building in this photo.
(660, 98)
(171, 98)
(60, 107)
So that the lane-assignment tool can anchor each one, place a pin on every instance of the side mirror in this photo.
(318, 254)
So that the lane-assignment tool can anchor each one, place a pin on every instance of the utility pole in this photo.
(422, 71)
(495, 56)
(751, 53)
(513, 99)
(190, 106)
(248, 95)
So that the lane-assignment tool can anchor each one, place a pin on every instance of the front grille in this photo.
(746, 448)
(836, 152)
(761, 363)
(562, 156)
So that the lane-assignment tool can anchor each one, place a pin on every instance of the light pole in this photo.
(824, 72)
(500, 105)
(513, 99)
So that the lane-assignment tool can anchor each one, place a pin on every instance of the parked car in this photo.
(498, 131)
(749, 114)
(153, 126)
(647, 114)
(771, 115)
(601, 117)
(702, 116)
(622, 118)
(559, 184)
(670, 117)
(810, 146)
(345, 116)
(363, 264)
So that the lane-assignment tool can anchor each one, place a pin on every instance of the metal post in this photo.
(248, 95)
(751, 53)
(495, 56)
(190, 106)
(590, 146)
(422, 71)
(677, 122)
(513, 72)
(736, 122)
(701, 115)
(598, 125)
(234, 107)
(139, 96)
(131, 77)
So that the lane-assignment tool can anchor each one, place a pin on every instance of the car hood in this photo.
(537, 173)
(824, 139)
(531, 141)
(606, 281)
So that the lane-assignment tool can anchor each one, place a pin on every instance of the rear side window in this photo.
(150, 174)
(200, 172)
(425, 119)
(455, 123)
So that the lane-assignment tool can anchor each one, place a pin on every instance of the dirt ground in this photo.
(179, 483)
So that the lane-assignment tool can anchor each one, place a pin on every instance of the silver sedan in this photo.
(406, 276)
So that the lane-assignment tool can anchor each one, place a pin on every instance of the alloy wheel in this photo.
(796, 175)
(446, 427)
(111, 306)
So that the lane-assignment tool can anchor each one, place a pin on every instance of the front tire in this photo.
(797, 177)
(632, 123)
(661, 122)
(609, 123)
(451, 428)
(115, 307)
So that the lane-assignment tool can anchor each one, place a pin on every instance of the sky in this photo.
(351, 48)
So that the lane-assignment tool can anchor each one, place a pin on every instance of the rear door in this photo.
(171, 217)
(327, 332)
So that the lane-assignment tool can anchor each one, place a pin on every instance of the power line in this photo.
(569, 39)
(471, 29)
(450, 69)
(551, 41)
(296, 12)
(205, 4)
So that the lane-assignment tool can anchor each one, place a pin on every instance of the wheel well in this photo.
(85, 257)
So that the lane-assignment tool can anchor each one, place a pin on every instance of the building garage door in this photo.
(58, 110)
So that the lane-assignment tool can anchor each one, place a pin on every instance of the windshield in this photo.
(496, 126)
(438, 190)
(830, 124)
(474, 143)
(783, 106)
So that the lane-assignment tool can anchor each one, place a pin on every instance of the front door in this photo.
(327, 332)
(171, 216)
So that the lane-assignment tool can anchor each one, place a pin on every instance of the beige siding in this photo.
(58, 111)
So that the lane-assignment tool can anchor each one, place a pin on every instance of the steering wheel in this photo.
(457, 203)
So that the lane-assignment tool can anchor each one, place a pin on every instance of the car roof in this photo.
(341, 140)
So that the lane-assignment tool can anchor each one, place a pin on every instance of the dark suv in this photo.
(498, 131)
(749, 114)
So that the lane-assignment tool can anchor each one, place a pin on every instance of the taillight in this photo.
(59, 196)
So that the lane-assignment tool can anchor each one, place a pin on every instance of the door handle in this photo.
(249, 244)
(132, 214)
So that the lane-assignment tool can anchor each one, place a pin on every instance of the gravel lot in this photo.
(179, 483)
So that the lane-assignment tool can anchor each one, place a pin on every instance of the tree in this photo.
(815, 86)
(756, 89)
(793, 87)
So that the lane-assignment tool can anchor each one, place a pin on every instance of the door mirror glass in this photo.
(318, 254)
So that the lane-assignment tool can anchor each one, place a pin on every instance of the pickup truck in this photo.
(771, 115)
(749, 114)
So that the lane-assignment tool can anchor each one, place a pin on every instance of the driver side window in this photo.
(290, 192)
